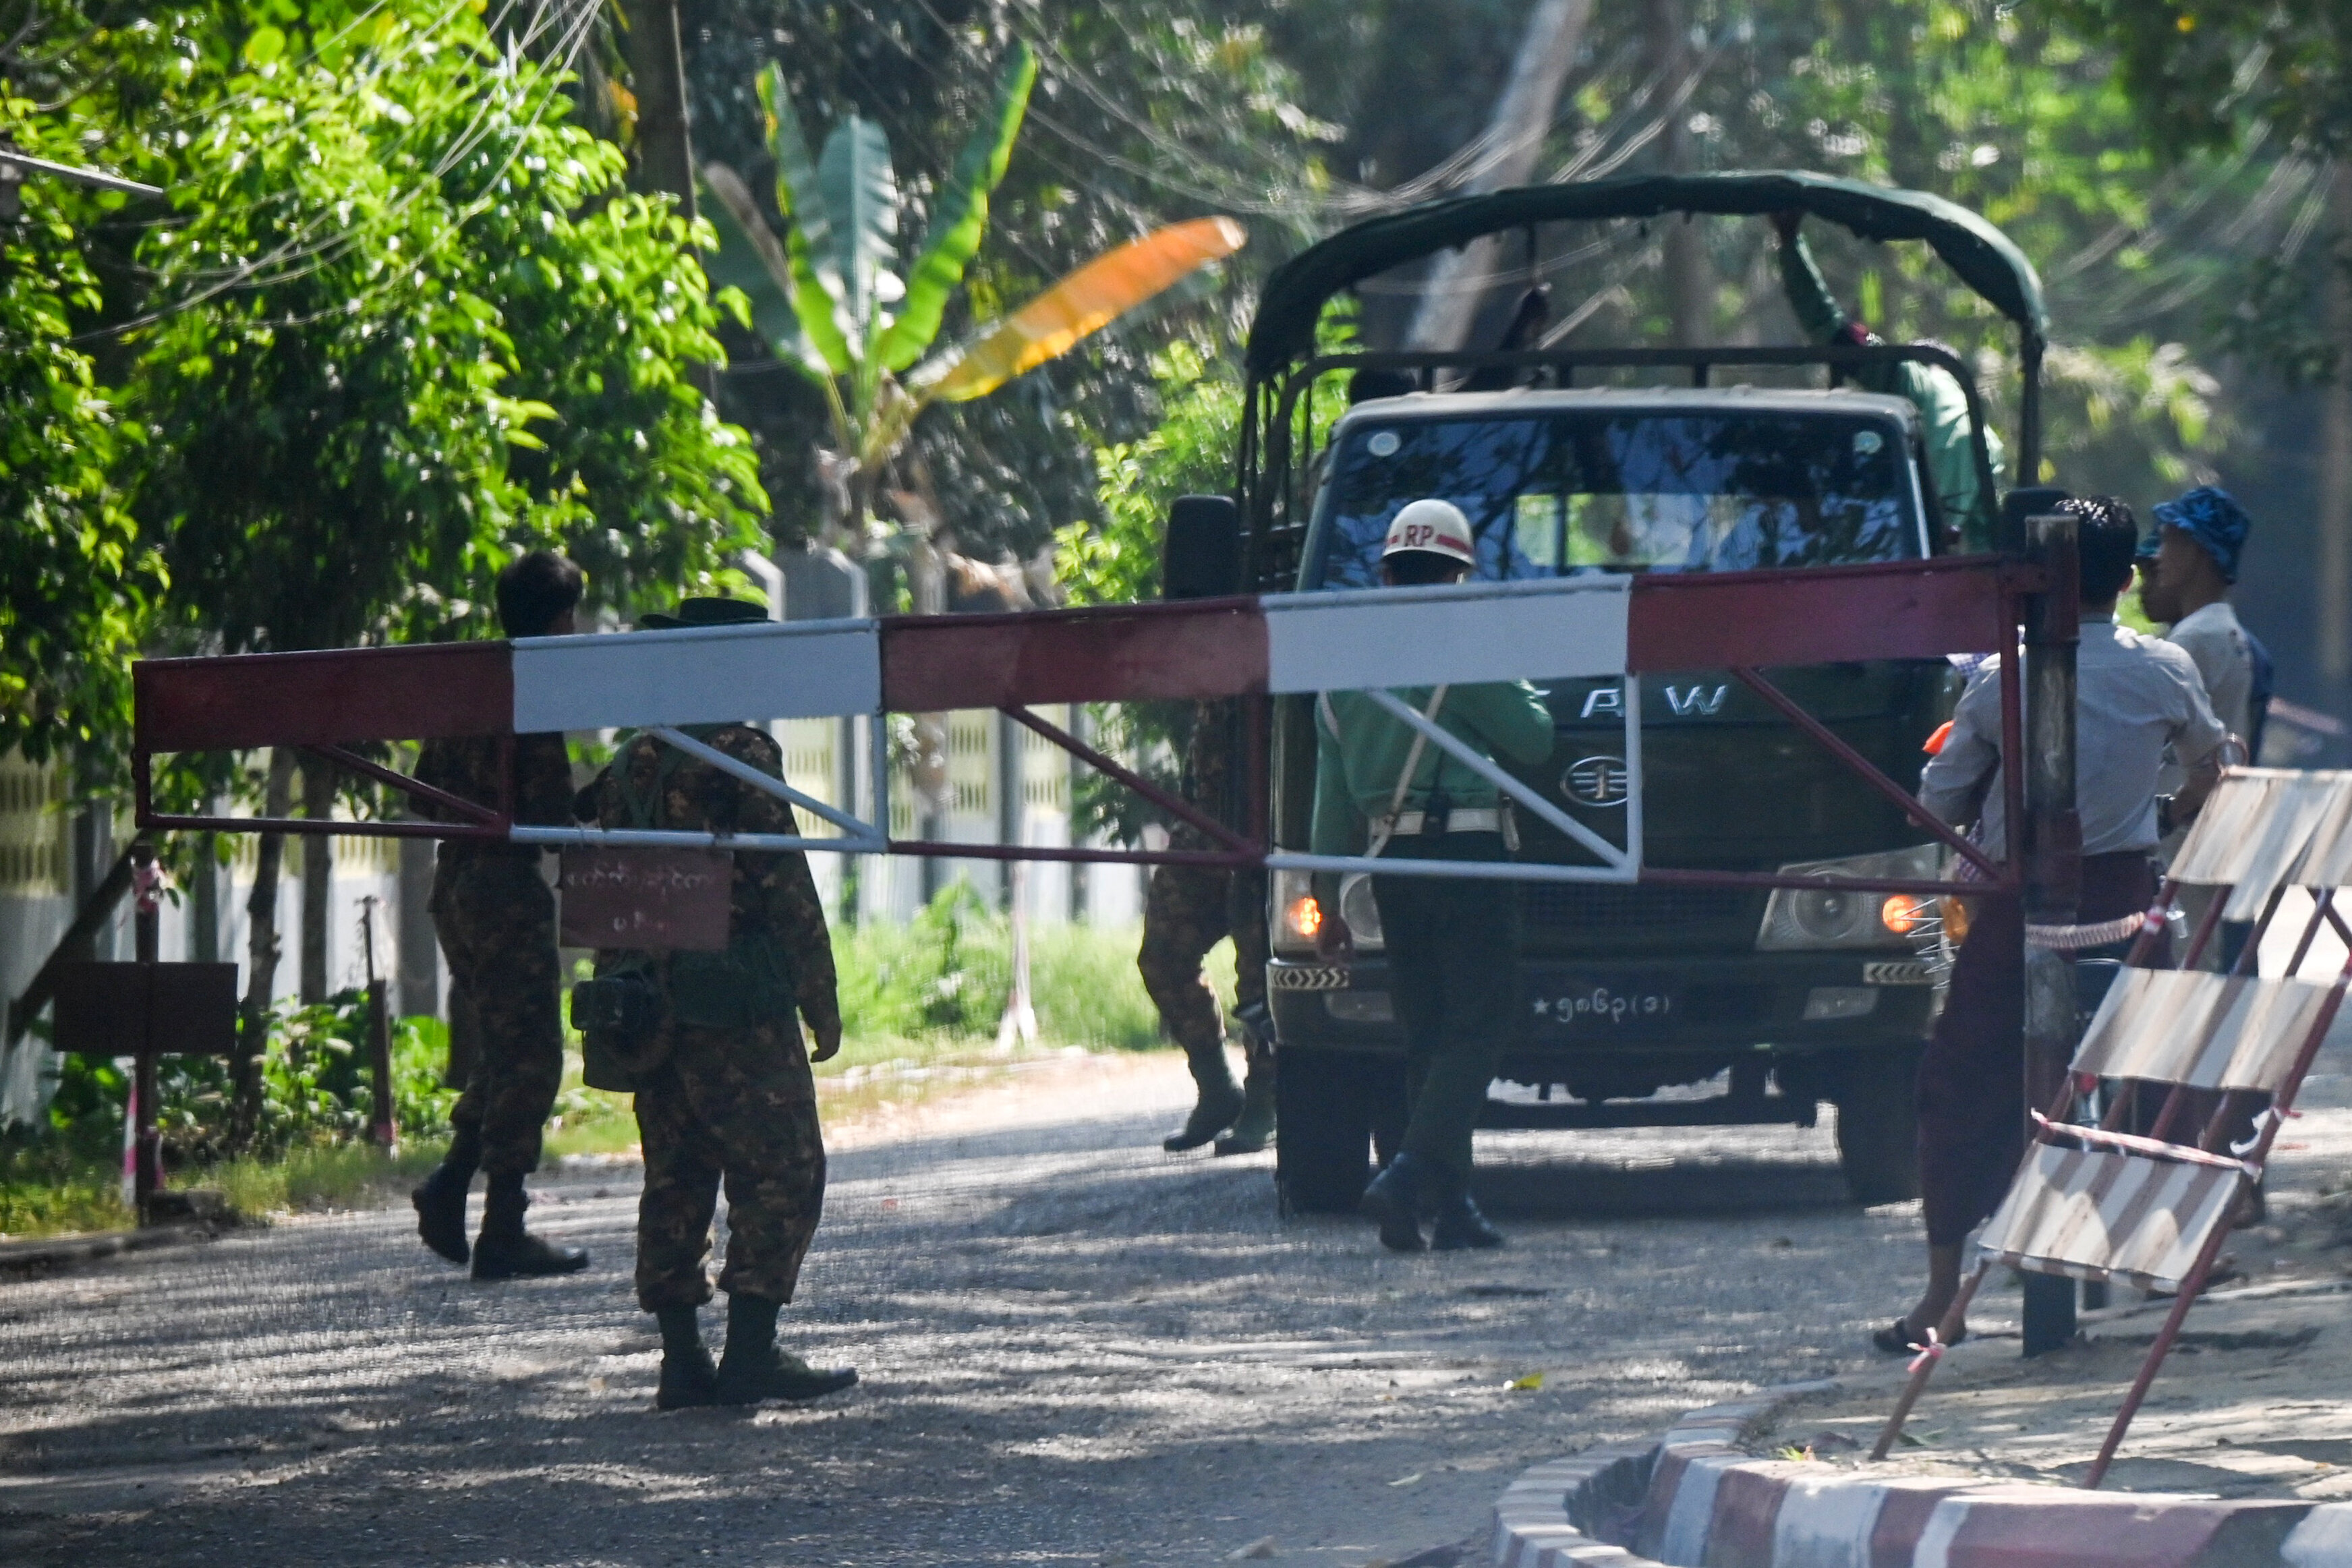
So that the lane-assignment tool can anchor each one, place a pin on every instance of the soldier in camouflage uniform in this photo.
(1188, 910)
(723, 1089)
(496, 919)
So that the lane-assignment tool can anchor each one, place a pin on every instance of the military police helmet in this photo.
(1434, 528)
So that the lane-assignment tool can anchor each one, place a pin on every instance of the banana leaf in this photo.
(960, 217)
(861, 195)
(750, 257)
(1083, 302)
(800, 196)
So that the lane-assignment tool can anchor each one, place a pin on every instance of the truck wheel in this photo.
(1878, 1124)
(1322, 1154)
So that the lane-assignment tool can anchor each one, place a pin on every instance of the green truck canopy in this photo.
(1985, 259)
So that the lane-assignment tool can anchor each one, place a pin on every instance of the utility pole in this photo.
(2334, 579)
(1513, 140)
(1690, 287)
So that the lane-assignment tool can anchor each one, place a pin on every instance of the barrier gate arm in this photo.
(1592, 628)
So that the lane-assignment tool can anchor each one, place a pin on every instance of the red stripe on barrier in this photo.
(323, 698)
(1209, 648)
(1904, 610)
(1747, 1507)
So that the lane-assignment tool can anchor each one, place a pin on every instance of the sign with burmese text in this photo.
(646, 898)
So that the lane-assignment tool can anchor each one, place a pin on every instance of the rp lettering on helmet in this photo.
(1433, 526)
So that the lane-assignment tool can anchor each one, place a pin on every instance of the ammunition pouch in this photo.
(744, 987)
(619, 1016)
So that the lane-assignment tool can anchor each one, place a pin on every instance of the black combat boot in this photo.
(505, 1250)
(1460, 1227)
(1252, 1130)
(754, 1369)
(1220, 1099)
(440, 1203)
(1397, 1198)
(687, 1378)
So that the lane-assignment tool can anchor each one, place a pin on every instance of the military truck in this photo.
(1641, 1005)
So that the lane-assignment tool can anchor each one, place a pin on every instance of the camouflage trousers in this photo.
(737, 1106)
(496, 919)
(1188, 911)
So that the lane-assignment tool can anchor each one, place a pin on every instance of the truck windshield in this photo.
(1557, 492)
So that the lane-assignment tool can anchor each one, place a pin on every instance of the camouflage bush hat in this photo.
(714, 611)
(2214, 519)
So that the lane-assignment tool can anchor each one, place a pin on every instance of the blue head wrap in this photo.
(2214, 520)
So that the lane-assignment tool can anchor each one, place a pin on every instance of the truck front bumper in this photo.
(1797, 1001)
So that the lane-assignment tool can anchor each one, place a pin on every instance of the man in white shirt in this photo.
(2196, 548)
(2134, 696)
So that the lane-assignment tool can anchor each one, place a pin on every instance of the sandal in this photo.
(1896, 1339)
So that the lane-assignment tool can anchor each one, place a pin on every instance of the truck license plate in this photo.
(1606, 1008)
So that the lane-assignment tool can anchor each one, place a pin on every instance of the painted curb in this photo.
(1695, 1496)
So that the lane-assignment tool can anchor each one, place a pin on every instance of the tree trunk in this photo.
(927, 581)
(1689, 280)
(318, 878)
(2335, 498)
(1514, 141)
(261, 956)
(658, 76)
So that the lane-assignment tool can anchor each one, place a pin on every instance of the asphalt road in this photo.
(1076, 1350)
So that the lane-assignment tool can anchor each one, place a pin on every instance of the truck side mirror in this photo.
(2024, 502)
(1203, 556)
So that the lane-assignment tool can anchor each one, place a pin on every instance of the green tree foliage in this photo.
(832, 302)
(1143, 112)
(409, 322)
(2200, 73)
(76, 579)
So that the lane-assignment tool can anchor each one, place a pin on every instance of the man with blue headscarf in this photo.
(2187, 569)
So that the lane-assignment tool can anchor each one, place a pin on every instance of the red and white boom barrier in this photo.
(1584, 627)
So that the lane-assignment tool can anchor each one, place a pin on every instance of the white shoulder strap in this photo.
(1385, 829)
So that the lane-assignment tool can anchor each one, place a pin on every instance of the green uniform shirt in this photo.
(1943, 407)
(1360, 747)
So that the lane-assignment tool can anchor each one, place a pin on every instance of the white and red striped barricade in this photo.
(2187, 1055)
(1371, 639)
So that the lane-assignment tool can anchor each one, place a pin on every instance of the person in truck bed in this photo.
(1942, 406)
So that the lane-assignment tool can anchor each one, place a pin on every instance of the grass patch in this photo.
(310, 1177)
(42, 1194)
(922, 1002)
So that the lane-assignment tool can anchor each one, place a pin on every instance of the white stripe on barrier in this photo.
(792, 669)
(1690, 1518)
(1563, 627)
(1826, 1522)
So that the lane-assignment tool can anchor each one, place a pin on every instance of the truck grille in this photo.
(1618, 913)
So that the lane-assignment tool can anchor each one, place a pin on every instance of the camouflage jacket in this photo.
(772, 889)
(467, 768)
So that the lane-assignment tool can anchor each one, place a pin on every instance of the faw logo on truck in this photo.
(1595, 781)
(1687, 702)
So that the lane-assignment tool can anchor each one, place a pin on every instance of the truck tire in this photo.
(1878, 1123)
(1322, 1156)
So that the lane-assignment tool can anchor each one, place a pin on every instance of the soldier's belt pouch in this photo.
(618, 1016)
(742, 988)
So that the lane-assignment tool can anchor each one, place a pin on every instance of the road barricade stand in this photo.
(2133, 1175)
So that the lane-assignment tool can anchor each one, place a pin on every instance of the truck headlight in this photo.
(1360, 910)
(1809, 919)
